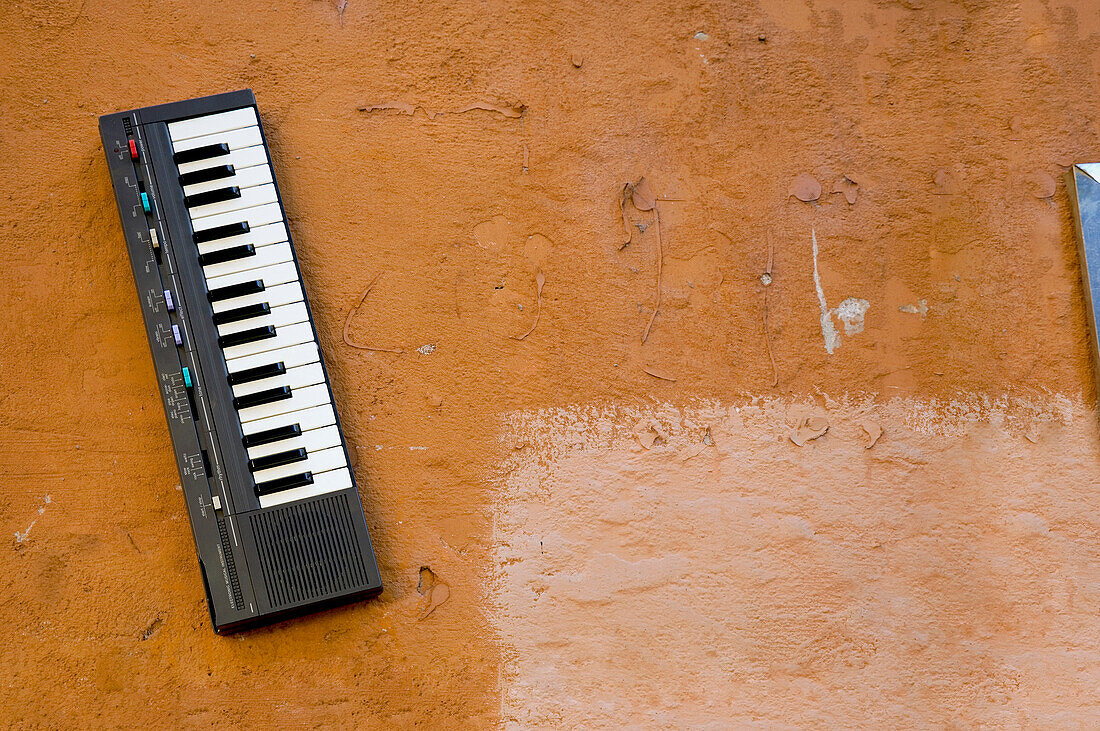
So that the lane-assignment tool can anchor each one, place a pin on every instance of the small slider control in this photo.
(145, 202)
(168, 301)
(156, 242)
(187, 377)
(133, 150)
(176, 335)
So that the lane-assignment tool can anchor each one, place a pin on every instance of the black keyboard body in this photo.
(272, 500)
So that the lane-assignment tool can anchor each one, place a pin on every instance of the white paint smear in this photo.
(850, 312)
(828, 330)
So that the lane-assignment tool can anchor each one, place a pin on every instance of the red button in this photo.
(133, 150)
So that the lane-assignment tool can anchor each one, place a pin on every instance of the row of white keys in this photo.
(211, 124)
(263, 257)
(246, 178)
(331, 481)
(322, 460)
(308, 408)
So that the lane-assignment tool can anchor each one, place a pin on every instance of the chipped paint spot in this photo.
(426, 349)
(921, 308)
(851, 312)
(21, 536)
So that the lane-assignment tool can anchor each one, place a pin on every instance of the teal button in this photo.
(186, 377)
(145, 201)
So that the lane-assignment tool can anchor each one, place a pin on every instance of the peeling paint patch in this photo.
(427, 349)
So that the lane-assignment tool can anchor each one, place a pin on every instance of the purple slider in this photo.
(176, 335)
(169, 301)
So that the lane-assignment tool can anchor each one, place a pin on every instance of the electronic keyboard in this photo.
(274, 510)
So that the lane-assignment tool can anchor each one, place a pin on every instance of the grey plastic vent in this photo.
(308, 551)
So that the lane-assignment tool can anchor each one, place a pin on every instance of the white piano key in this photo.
(280, 273)
(323, 483)
(242, 158)
(254, 217)
(246, 178)
(249, 198)
(292, 357)
(301, 332)
(315, 462)
(279, 317)
(300, 399)
(280, 294)
(306, 419)
(313, 441)
(212, 124)
(300, 377)
(272, 233)
(265, 256)
(235, 139)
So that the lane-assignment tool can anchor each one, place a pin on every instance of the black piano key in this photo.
(246, 336)
(276, 460)
(235, 290)
(259, 398)
(242, 313)
(212, 196)
(272, 435)
(200, 153)
(257, 374)
(284, 483)
(220, 232)
(222, 255)
(205, 175)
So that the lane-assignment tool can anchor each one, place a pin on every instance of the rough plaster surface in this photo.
(462, 149)
(948, 575)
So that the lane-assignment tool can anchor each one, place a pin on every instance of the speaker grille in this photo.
(308, 550)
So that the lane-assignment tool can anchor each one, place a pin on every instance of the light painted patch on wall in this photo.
(723, 577)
